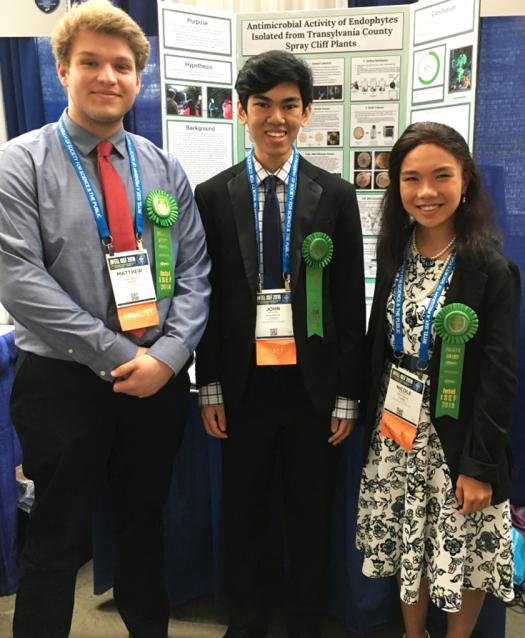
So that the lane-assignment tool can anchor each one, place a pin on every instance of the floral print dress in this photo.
(408, 519)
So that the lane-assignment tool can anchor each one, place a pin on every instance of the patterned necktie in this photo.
(116, 201)
(271, 236)
(117, 207)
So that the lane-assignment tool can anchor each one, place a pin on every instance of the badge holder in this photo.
(402, 407)
(274, 340)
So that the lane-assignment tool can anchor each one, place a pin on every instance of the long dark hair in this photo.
(474, 224)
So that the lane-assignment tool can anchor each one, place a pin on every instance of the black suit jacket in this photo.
(331, 365)
(477, 444)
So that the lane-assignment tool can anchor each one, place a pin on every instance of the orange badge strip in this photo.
(275, 352)
(398, 430)
(139, 315)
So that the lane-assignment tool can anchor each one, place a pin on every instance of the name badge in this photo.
(274, 342)
(133, 289)
(402, 408)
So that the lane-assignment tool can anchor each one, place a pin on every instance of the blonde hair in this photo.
(101, 16)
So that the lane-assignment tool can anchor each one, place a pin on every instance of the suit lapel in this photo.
(467, 285)
(306, 202)
(241, 200)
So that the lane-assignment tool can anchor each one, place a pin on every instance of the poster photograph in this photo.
(460, 70)
(183, 100)
(219, 105)
(370, 169)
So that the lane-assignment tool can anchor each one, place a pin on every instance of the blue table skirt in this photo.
(193, 539)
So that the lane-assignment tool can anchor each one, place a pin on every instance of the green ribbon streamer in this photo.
(164, 271)
(162, 211)
(456, 324)
(317, 252)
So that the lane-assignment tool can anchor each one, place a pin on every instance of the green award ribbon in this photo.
(456, 324)
(162, 210)
(317, 250)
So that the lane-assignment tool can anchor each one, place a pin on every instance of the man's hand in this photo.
(340, 428)
(214, 419)
(142, 376)
(472, 495)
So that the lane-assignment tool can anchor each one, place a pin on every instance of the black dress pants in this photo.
(275, 419)
(75, 431)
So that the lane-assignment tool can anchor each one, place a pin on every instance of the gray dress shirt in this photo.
(53, 275)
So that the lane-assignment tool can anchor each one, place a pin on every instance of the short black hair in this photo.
(264, 71)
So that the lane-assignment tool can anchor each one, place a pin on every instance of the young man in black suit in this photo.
(292, 391)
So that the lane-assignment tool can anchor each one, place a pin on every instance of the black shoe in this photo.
(243, 631)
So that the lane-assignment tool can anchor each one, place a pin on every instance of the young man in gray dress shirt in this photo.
(90, 397)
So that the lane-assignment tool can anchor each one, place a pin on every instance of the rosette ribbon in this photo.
(162, 211)
(317, 250)
(456, 324)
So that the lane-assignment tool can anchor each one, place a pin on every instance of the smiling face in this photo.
(431, 185)
(274, 119)
(101, 80)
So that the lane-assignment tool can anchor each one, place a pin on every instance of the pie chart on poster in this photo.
(428, 68)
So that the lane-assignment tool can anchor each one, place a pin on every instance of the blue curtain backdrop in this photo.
(33, 96)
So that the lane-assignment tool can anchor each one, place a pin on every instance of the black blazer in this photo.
(331, 365)
(477, 444)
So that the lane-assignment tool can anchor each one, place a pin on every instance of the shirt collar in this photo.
(283, 173)
(86, 142)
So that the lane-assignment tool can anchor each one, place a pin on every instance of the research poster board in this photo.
(375, 70)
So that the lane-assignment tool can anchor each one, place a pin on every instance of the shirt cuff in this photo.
(210, 394)
(345, 408)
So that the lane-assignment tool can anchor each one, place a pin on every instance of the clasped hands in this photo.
(142, 376)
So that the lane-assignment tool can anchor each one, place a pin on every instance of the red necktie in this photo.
(117, 207)
(116, 201)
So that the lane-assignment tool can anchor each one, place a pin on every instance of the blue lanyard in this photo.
(96, 209)
(288, 208)
(399, 291)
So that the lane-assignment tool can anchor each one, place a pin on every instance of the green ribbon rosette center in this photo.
(162, 211)
(317, 250)
(456, 324)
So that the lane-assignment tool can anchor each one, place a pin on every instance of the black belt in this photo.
(407, 361)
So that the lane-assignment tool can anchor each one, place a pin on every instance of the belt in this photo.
(407, 361)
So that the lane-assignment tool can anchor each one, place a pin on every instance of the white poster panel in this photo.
(374, 124)
(331, 161)
(328, 76)
(207, 148)
(197, 69)
(375, 78)
(370, 211)
(197, 32)
(443, 19)
(319, 34)
(457, 117)
(325, 127)
(428, 76)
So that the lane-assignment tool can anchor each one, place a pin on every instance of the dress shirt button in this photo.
(70, 350)
(102, 373)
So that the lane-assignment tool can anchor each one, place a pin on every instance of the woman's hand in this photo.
(472, 495)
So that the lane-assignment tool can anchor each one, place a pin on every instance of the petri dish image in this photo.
(363, 160)
(382, 179)
(363, 179)
(382, 159)
(359, 132)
